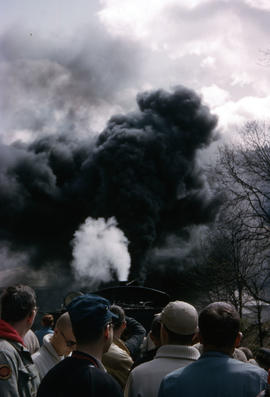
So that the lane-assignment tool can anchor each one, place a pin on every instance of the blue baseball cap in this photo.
(91, 307)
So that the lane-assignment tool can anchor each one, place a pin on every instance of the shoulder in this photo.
(8, 351)
(142, 369)
(116, 352)
(247, 368)
(105, 384)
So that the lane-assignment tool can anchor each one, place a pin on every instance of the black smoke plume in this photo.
(142, 170)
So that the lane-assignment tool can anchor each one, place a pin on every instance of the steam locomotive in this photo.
(137, 301)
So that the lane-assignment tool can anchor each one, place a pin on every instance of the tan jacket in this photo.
(144, 380)
(118, 361)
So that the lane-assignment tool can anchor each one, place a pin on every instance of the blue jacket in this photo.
(40, 333)
(214, 375)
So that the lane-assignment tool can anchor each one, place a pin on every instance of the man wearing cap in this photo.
(83, 374)
(179, 323)
(117, 359)
(216, 373)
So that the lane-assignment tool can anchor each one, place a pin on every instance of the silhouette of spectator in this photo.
(31, 341)
(179, 323)
(216, 373)
(18, 374)
(117, 359)
(47, 323)
(55, 346)
(153, 339)
(263, 358)
(82, 374)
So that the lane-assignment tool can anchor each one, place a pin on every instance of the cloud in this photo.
(233, 115)
(52, 86)
(215, 96)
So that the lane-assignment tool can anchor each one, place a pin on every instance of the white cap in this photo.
(180, 318)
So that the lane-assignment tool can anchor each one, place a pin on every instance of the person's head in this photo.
(247, 351)
(91, 321)
(239, 355)
(63, 339)
(155, 330)
(263, 358)
(119, 323)
(179, 323)
(18, 305)
(219, 325)
(47, 320)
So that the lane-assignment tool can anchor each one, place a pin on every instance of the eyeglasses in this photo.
(69, 343)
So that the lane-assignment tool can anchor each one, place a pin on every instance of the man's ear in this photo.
(56, 331)
(238, 339)
(31, 317)
(107, 331)
(124, 325)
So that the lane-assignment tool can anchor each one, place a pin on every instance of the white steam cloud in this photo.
(100, 250)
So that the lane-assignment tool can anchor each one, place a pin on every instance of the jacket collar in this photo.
(178, 351)
(48, 346)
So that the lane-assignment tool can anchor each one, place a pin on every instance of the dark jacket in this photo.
(79, 375)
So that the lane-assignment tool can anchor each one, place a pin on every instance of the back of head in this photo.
(17, 302)
(263, 358)
(47, 320)
(156, 325)
(219, 325)
(119, 312)
(247, 351)
(63, 322)
(89, 315)
(180, 320)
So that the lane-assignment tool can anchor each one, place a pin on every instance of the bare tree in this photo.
(244, 172)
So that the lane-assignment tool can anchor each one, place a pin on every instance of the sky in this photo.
(217, 47)
(68, 66)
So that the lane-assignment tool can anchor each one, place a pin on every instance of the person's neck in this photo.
(92, 350)
(21, 328)
(117, 333)
(223, 350)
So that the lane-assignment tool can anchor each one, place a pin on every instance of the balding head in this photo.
(63, 339)
(63, 322)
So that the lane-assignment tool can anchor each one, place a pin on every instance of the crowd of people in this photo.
(94, 349)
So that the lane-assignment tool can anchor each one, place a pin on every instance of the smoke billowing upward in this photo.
(142, 170)
(100, 252)
(146, 170)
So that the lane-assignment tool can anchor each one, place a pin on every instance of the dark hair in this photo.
(176, 339)
(121, 316)
(17, 302)
(219, 324)
(85, 331)
(156, 325)
(263, 358)
(47, 320)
